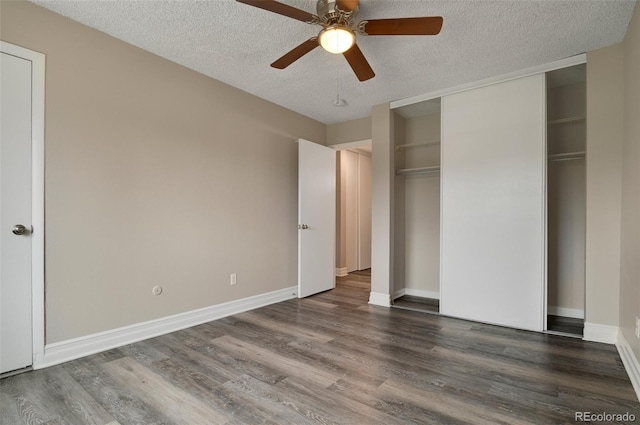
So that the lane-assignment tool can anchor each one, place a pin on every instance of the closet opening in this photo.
(417, 207)
(566, 200)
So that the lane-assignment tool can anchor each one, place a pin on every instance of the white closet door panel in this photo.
(493, 159)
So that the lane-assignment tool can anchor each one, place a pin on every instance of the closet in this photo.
(489, 200)
(566, 199)
(417, 164)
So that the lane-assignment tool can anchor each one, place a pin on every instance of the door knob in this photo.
(19, 229)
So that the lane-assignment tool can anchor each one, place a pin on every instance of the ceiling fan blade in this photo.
(429, 25)
(359, 63)
(296, 53)
(281, 9)
(347, 5)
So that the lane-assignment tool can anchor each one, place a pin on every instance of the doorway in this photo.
(353, 207)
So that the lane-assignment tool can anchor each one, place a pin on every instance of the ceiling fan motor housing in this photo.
(329, 14)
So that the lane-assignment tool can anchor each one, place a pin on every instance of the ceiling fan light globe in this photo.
(336, 39)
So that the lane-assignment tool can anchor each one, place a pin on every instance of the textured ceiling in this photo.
(235, 43)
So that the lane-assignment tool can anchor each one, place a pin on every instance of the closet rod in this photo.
(566, 156)
(420, 170)
(566, 120)
(415, 145)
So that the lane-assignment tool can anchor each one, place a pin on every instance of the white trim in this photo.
(421, 293)
(562, 63)
(596, 332)
(64, 351)
(377, 298)
(630, 362)
(37, 190)
(544, 305)
(351, 145)
(574, 313)
(341, 271)
(397, 294)
(416, 293)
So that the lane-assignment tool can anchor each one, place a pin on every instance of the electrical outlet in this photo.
(637, 327)
(233, 279)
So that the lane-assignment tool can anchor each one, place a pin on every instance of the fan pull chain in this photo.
(337, 101)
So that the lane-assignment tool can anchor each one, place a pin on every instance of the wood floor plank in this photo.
(178, 405)
(286, 365)
(17, 409)
(324, 402)
(119, 400)
(76, 400)
(449, 406)
(272, 402)
(600, 385)
(316, 303)
(208, 391)
(295, 331)
(219, 368)
(55, 395)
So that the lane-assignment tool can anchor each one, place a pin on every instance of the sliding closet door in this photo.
(493, 220)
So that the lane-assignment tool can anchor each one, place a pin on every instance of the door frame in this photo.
(37, 194)
(348, 146)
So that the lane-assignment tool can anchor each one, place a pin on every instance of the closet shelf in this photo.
(415, 145)
(566, 120)
(566, 156)
(420, 170)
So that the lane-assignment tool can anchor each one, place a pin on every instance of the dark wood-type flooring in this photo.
(566, 325)
(327, 359)
(559, 324)
(410, 302)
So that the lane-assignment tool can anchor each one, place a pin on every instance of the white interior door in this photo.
(316, 218)
(493, 220)
(16, 347)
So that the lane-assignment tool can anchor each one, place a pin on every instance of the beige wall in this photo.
(630, 246)
(154, 175)
(349, 131)
(382, 191)
(604, 164)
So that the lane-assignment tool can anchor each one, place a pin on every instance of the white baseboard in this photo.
(416, 293)
(630, 362)
(600, 333)
(565, 312)
(341, 271)
(377, 298)
(65, 351)
(421, 293)
(397, 294)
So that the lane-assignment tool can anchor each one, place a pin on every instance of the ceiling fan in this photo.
(339, 27)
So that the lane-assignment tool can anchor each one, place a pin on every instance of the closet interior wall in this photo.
(566, 191)
(417, 202)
